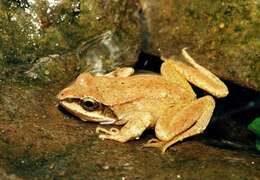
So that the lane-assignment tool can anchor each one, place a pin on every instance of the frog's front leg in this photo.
(182, 121)
(120, 72)
(133, 129)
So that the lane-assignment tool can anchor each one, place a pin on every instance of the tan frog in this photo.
(165, 102)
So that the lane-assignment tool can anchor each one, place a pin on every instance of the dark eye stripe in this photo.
(87, 104)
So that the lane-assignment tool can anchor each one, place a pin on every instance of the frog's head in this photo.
(82, 99)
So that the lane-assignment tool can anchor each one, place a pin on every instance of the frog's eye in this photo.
(90, 105)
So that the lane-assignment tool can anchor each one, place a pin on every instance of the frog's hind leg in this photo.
(133, 129)
(195, 74)
(170, 73)
(181, 122)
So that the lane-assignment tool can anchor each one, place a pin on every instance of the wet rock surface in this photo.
(38, 140)
(31, 30)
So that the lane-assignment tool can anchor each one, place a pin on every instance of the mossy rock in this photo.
(31, 30)
(222, 35)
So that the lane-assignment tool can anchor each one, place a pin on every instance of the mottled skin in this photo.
(165, 102)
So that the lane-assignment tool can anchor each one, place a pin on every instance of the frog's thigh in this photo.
(170, 73)
(183, 121)
(131, 130)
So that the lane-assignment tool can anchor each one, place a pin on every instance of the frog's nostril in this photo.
(60, 95)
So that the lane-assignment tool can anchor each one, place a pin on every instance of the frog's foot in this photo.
(112, 135)
(121, 72)
(162, 145)
(131, 130)
(182, 122)
(155, 143)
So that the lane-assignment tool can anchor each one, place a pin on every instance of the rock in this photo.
(54, 68)
(223, 36)
(31, 30)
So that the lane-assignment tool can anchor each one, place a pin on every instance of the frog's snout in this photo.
(63, 94)
(59, 96)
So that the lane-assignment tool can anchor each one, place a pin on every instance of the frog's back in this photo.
(118, 90)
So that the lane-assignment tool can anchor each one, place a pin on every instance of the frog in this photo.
(165, 102)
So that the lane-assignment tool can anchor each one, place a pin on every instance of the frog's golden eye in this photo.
(90, 105)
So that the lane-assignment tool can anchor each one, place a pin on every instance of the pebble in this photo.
(106, 167)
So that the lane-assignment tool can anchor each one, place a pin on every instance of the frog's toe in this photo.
(115, 137)
(154, 143)
(112, 131)
(112, 134)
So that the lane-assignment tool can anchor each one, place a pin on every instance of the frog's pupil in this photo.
(90, 105)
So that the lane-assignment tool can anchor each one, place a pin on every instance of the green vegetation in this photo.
(255, 128)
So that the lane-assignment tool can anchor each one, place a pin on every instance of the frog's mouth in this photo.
(89, 110)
